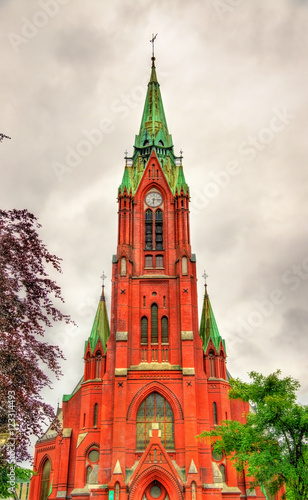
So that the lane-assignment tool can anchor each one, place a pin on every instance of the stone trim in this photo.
(120, 372)
(187, 335)
(121, 336)
(188, 371)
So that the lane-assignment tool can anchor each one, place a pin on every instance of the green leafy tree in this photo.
(273, 443)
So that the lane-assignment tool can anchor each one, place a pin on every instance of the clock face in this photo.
(153, 199)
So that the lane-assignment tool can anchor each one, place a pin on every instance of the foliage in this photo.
(273, 443)
(9, 483)
(27, 307)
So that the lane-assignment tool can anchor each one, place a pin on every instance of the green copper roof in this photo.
(153, 135)
(153, 128)
(100, 329)
(181, 182)
(208, 326)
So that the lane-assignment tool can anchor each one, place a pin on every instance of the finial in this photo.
(103, 277)
(152, 42)
(125, 157)
(204, 275)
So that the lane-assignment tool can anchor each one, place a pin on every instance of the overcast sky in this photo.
(233, 78)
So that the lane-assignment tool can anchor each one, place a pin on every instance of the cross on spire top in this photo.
(152, 42)
(103, 277)
(204, 275)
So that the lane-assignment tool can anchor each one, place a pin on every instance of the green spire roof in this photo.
(181, 182)
(153, 128)
(153, 135)
(100, 329)
(208, 325)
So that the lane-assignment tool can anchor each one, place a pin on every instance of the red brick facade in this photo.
(130, 426)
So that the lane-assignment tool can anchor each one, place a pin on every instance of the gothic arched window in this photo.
(159, 229)
(45, 479)
(212, 363)
(223, 472)
(148, 229)
(144, 330)
(154, 324)
(164, 330)
(95, 415)
(155, 408)
(215, 413)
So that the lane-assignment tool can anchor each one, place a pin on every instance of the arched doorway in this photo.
(155, 483)
(155, 491)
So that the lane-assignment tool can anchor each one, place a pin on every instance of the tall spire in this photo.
(153, 128)
(153, 135)
(208, 325)
(100, 329)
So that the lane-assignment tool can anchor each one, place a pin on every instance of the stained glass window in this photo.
(155, 409)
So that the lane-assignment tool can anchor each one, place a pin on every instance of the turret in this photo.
(213, 344)
(96, 345)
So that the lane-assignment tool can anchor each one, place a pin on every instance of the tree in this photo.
(273, 443)
(28, 305)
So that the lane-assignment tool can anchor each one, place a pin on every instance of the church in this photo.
(153, 377)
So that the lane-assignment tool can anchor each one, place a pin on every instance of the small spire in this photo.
(125, 157)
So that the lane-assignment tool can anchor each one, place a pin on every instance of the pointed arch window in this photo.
(164, 330)
(95, 415)
(215, 413)
(144, 330)
(212, 363)
(154, 324)
(223, 472)
(148, 229)
(155, 408)
(159, 229)
(45, 480)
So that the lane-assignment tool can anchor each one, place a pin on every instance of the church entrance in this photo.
(155, 491)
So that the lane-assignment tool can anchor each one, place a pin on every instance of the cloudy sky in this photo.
(233, 77)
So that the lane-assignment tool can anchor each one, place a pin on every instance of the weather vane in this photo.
(152, 42)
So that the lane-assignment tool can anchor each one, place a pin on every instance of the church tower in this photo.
(153, 380)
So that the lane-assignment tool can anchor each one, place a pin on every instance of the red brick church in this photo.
(153, 379)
